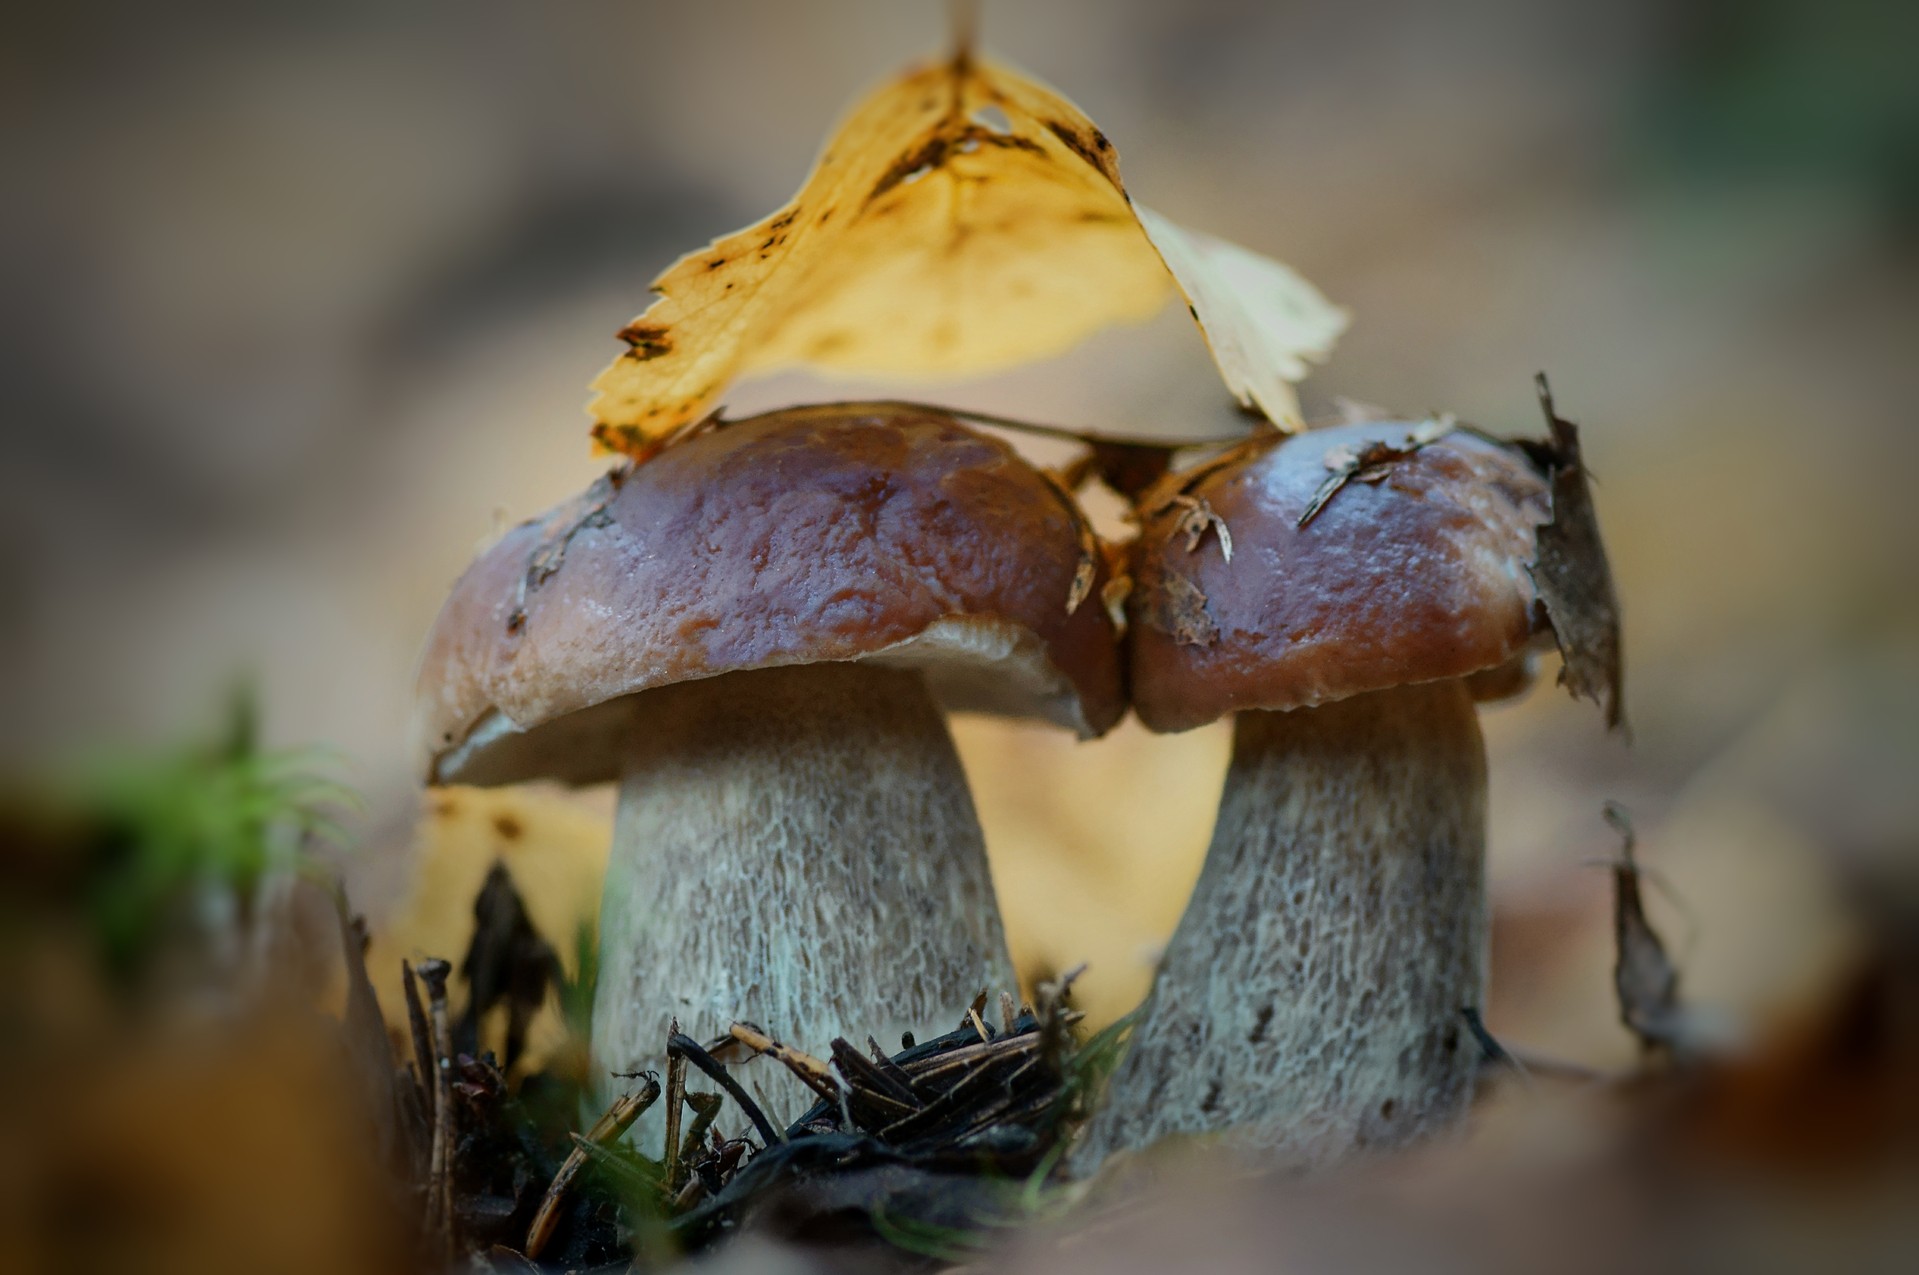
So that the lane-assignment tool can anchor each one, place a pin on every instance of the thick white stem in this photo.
(1310, 1002)
(797, 848)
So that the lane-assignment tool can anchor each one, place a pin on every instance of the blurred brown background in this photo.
(304, 300)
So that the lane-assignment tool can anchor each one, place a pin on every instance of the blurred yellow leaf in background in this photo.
(962, 219)
(554, 844)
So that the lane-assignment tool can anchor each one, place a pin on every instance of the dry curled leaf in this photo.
(1572, 575)
(1644, 977)
(962, 218)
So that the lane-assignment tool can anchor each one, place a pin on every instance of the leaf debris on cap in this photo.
(1372, 463)
(1196, 519)
(1179, 608)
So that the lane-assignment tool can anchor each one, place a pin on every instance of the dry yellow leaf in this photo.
(963, 218)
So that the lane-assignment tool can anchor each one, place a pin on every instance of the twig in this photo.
(1053, 1015)
(813, 1073)
(680, 1045)
(692, 1193)
(944, 1105)
(421, 1033)
(876, 1081)
(938, 1065)
(439, 1198)
(706, 1109)
(675, 1095)
(963, 17)
(613, 1123)
(1066, 432)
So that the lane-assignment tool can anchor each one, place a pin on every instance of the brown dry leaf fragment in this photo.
(1372, 463)
(962, 218)
(585, 511)
(1643, 975)
(1197, 519)
(1572, 576)
(1179, 607)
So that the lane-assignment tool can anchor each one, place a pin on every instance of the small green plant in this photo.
(167, 829)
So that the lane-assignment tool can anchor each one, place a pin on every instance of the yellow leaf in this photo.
(1263, 322)
(554, 845)
(963, 218)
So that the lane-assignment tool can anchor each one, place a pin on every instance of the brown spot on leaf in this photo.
(1084, 147)
(922, 159)
(508, 827)
(648, 341)
(1005, 141)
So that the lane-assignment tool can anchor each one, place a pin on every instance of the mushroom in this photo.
(751, 633)
(1344, 593)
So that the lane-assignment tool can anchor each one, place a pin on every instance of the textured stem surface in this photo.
(798, 848)
(1310, 1000)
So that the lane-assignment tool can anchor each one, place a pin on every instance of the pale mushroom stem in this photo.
(1310, 1002)
(796, 847)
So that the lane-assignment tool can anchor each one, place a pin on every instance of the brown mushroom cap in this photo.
(797, 537)
(1420, 576)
